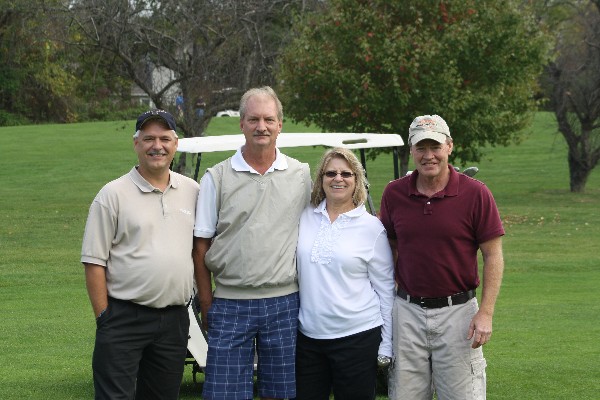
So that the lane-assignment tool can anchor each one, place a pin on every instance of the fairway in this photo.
(547, 321)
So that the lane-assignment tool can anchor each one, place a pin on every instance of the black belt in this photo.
(131, 303)
(437, 302)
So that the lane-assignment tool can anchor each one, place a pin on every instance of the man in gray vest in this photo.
(246, 233)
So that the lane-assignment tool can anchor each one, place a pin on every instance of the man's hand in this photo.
(204, 307)
(203, 278)
(480, 329)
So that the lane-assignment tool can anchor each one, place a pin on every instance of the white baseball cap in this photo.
(428, 127)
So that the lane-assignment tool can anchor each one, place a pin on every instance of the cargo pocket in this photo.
(478, 378)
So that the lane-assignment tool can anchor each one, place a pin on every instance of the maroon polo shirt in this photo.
(438, 237)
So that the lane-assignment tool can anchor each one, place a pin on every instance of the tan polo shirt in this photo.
(144, 238)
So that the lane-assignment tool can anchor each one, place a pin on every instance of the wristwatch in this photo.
(383, 361)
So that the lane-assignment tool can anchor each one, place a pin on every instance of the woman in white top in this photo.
(346, 278)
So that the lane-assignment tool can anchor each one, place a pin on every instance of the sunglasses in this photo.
(343, 174)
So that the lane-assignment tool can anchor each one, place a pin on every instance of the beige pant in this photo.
(432, 354)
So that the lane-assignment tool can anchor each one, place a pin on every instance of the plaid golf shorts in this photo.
(239, 329)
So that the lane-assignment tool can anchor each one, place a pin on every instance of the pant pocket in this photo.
(101, 320)
(478, 378)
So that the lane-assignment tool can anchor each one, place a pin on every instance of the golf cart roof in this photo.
(207, 144)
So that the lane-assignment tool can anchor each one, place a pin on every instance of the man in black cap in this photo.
(137, 252)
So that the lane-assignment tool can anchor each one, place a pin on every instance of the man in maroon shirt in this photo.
(437, 220)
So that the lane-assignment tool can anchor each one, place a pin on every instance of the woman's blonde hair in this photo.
(360, 190)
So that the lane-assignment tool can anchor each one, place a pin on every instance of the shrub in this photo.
(10, 119)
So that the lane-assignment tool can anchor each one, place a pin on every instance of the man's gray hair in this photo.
(262, 91)
(137, 134)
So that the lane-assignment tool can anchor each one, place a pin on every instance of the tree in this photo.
(209, 50)
(374, 65)
(34, 85)
(574, 89)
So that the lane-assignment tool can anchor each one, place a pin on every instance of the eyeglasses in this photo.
(343, 174)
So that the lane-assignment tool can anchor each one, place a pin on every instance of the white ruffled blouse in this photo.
(346, 275)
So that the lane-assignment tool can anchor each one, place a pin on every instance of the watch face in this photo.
(383, 361)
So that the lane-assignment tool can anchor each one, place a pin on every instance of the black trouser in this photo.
(347, 365)
(140, 351)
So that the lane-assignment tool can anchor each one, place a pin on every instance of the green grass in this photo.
(546, 328)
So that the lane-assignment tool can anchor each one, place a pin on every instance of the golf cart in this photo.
(197, 342)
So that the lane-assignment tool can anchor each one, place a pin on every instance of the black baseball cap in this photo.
(156, 114)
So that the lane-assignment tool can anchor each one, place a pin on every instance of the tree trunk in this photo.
(578, 173)
(179, 166)
(404, 155)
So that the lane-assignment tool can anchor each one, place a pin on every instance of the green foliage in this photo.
(11, 119)
(35, 82)
(372, 66)
(109, 110)
(42, 79)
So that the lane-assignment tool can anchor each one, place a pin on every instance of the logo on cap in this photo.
(426, 123)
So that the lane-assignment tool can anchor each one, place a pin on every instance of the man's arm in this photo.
(95, 281)
(203, 277)
(480, 328)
